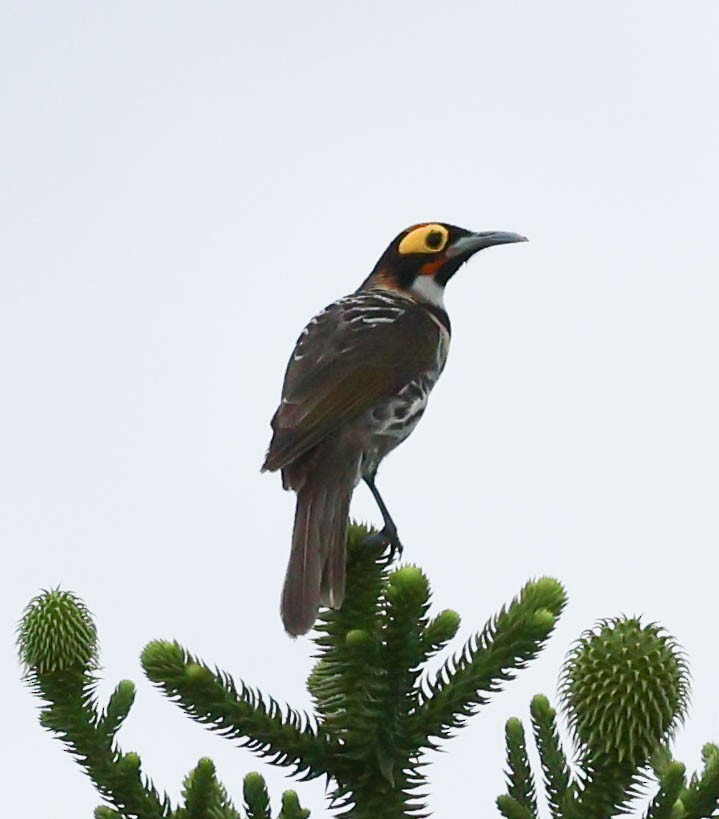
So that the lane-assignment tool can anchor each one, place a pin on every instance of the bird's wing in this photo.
(359, 351)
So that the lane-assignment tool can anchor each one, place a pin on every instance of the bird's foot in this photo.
(387, 537)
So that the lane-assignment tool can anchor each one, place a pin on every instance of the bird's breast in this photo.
(396, 417)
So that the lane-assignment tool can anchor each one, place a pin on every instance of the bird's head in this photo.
(423, 258)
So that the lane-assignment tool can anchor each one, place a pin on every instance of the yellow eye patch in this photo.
(424, 239)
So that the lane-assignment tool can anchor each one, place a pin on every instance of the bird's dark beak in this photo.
(465, 246)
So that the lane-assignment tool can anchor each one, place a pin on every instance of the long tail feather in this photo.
(332, 585)
(316, 570)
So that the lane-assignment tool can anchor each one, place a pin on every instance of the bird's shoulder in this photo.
(381, 327)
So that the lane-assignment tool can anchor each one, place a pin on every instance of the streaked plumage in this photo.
(355, 387)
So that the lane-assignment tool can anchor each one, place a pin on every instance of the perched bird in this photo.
(355, 387)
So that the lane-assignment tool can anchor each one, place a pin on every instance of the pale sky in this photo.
(184, 185)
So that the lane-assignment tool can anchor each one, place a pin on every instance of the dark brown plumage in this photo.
(355, 387)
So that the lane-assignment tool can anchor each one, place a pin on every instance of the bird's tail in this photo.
(316, 571)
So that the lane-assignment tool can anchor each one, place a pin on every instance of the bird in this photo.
(355, 387)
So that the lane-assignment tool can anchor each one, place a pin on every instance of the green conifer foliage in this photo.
(377, 710)
(58, 648)
(624, 689)
(643, 662)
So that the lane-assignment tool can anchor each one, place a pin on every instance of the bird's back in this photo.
(373, 355)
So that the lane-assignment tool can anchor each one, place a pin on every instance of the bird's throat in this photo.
(427, 289)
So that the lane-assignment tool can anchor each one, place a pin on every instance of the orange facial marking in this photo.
(430, 268)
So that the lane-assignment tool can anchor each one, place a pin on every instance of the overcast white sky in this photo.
(185, 184)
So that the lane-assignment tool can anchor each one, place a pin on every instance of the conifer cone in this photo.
(624, 688)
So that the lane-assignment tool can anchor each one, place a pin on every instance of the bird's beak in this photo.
(465, 246)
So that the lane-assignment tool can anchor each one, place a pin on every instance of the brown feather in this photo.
(328, 384)
(332, 585)
(315, 572)
(301, 591)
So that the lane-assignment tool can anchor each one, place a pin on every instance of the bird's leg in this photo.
(389, 533)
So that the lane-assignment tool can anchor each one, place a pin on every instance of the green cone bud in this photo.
(57, 634)
(545, 593)
(514, 729)
(540, 706)
(624, 689)
(118, 708)
(125, 692)
(291, 808)
(359, 638)
(544, 619)
(443, 628)
(129, 763)
(409, 581)
(253, 782)
(257, 799)
(161, 654)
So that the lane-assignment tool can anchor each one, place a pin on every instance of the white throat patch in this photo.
(428, 289)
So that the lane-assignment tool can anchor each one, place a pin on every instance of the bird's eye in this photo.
(434, 240)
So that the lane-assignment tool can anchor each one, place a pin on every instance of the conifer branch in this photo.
(619, 735)
(237, 712)
(624, 688)
(205, 797)
(364, 682)
(553, 761)
(257, 800)
(510, 808)
(117, 709)
(403, 653)
(701, 798)
(520, 781)
(609, 788)
(671, 783)
(347, 681)
(58, 647)
(291, 808)
(507, 644)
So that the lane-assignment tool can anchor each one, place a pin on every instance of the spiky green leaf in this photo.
(520, 780)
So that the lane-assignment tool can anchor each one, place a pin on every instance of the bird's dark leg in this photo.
(389, 533)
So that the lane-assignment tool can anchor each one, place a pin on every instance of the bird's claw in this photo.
(387, 537)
